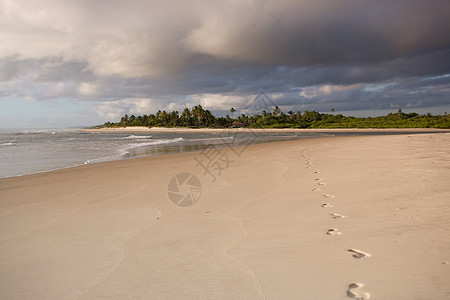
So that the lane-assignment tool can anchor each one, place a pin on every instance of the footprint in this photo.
(327, 205)
(316, 190)
(337, 216)
(328, 196)
(359, 254)
(321, 183)
(354, 291)
(333, 231)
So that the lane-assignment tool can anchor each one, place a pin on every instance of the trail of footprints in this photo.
(355, 290)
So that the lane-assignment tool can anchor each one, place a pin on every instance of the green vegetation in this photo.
(197, 117)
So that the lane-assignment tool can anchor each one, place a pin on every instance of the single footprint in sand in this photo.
(337, 216)
(328, 196)
(359, 254)
(333, 231)
(321, 183)
(354, 291)
(327, 205)
(316, 190)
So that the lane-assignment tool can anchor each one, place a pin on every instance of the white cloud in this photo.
(221, 102)
(326, 90)
(86, 88)
(112, 110)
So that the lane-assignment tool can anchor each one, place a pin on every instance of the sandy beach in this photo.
(330, 218)
(185, 129)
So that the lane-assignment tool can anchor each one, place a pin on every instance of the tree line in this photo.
(197, 117)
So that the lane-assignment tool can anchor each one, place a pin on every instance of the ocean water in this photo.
(32, 151)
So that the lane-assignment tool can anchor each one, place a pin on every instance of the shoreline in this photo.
(162, 130)
(121, 158)
(180, 129)
(308, 218)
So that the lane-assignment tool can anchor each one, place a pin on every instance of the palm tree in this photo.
(164, 119)
(198, 113)
(276, 111)
(124, 121)
(232, 111)
(291, 114)
(174, 119)
(208, 118)
(186, 117)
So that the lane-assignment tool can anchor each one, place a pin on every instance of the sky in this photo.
(70, 63)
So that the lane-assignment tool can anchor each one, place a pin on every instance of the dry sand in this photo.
(334, 218)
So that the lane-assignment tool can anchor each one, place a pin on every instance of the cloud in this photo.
(223, 53)
(151, 38)
(299, 33)
(220, 102)
(112, 110)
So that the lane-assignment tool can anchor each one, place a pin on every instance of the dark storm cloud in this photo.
(299, 33)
